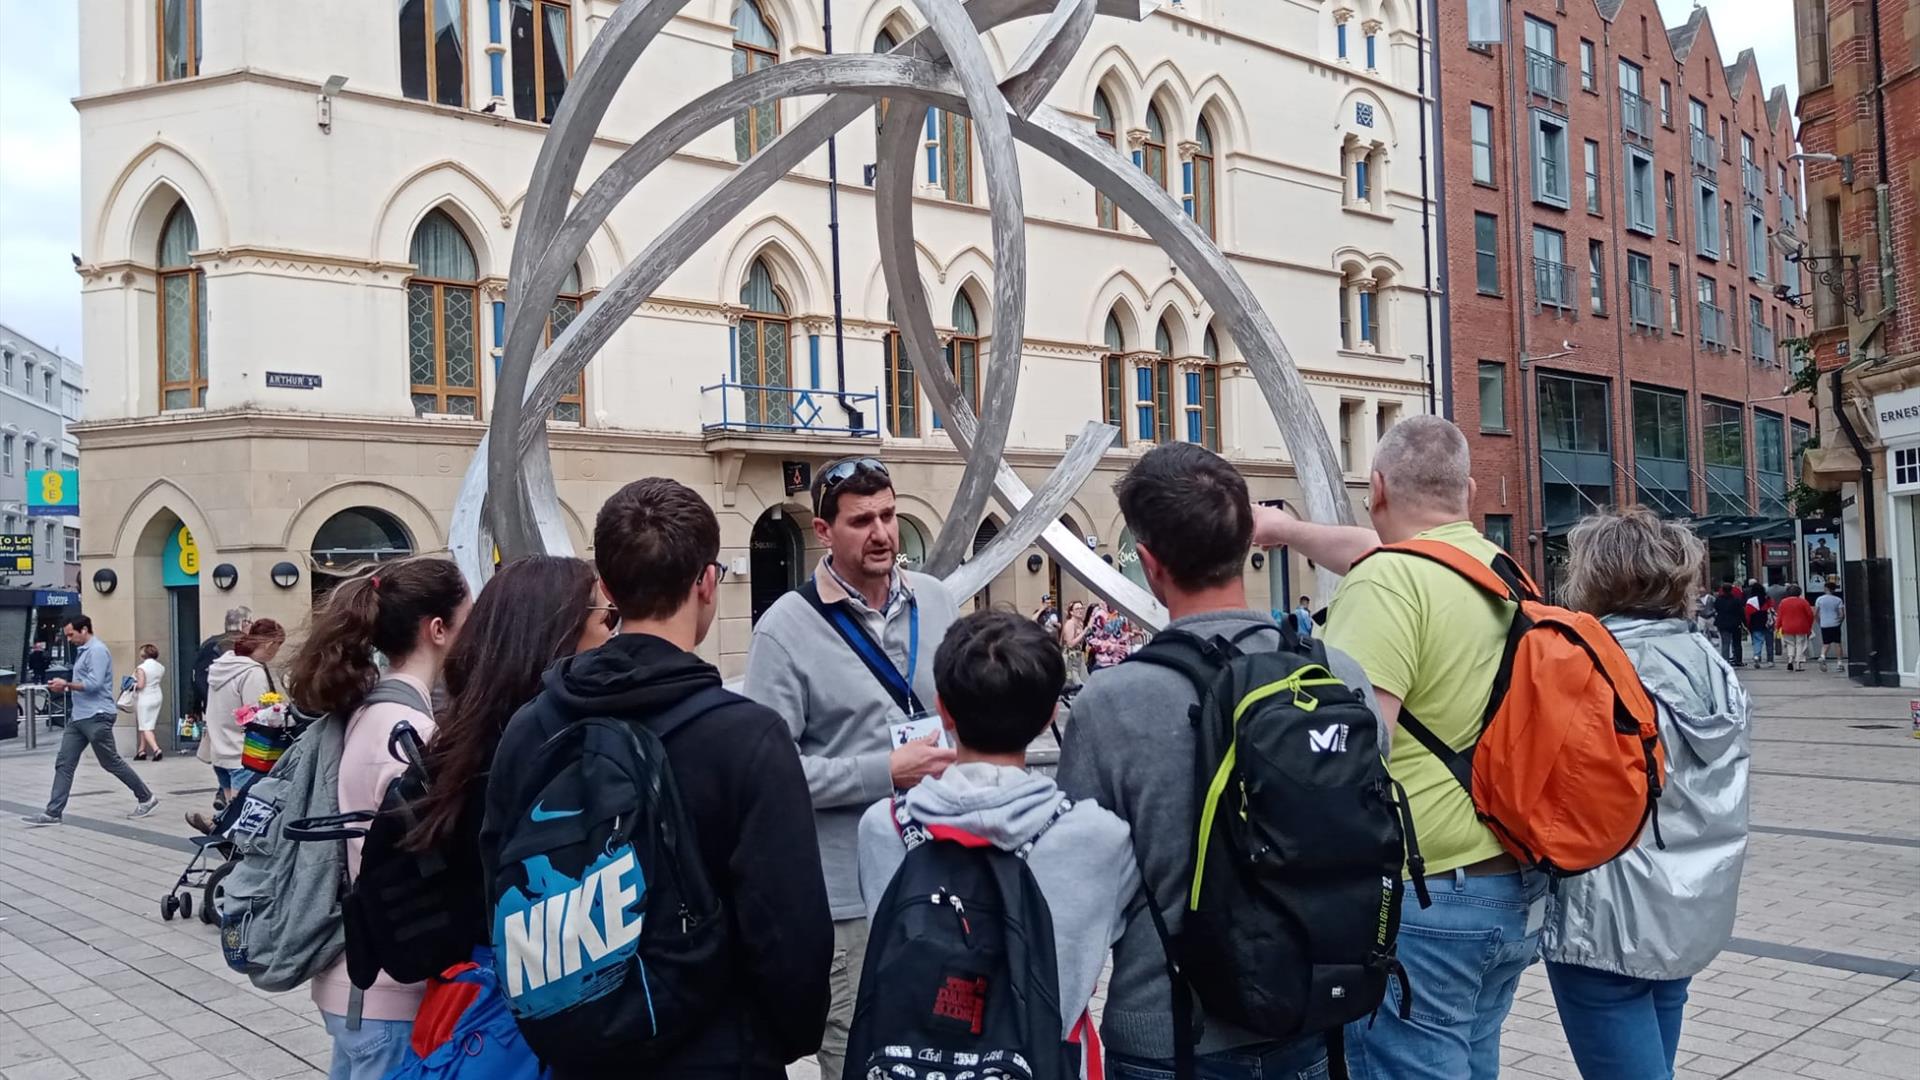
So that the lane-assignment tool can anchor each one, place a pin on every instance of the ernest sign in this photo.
(1898, 413)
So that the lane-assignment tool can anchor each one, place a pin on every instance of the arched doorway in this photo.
(913, 544)
(353, 539)
(777, 564)
(984, 535)
(165, 594)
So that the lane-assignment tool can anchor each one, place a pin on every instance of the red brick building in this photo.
(1860, 122)
(1612, 193)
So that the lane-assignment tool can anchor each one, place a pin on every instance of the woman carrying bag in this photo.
(238, 679)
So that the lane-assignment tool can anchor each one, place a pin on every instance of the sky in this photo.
(40, 147)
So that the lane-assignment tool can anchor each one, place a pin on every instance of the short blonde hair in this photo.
(1630, 562)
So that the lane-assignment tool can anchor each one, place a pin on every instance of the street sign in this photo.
(292, 380)
(53, 492)
(16, 554)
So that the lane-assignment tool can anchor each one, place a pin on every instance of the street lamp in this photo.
(104, 581)
(1845, 161)
(225, 576)
(285, 574)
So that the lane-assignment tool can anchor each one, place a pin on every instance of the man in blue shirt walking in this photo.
(91, 723)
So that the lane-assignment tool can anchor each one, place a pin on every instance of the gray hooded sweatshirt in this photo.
(1665, 914)
(1084, 863)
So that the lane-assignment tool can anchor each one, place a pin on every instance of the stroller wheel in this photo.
(186, 905)
(209, 913)
(169, 905)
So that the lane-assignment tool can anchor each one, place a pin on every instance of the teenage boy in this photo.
(999, 679)
(656, 546)
(1130, 746)
(1431, 642)
(847, 662)
(91, 725)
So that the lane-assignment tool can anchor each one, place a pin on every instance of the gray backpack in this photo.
(279, 908)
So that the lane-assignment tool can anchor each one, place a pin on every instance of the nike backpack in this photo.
(1292, 909)
(609, 941)
(279, 908)
(960, 977)
(1567, 769)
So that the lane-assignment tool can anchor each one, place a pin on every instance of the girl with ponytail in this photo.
(411, 613)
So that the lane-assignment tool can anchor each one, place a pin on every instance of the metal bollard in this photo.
(28, 721)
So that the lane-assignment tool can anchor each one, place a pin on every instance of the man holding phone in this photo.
(847, 661)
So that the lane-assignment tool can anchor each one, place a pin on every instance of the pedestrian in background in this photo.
(1073, 642)
(1760, 623)
(1303, 617)
(1795, 622)
(147, 693)
(1623, 941)
(235, 681)
(90, 723)
(1832, 613)
(1730, 619)
(237, 621)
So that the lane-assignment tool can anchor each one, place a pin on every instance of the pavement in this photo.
(1820, 980)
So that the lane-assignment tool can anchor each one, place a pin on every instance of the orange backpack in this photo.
(1568, 767)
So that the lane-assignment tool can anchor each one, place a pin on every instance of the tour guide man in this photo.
(844, 660)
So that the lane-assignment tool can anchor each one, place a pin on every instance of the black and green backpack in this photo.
(1293, 904)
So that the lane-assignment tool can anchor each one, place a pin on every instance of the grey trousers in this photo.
(849, 951)
(95, 731)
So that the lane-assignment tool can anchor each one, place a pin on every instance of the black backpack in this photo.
(609, 941)
(1294, 903)
(960, 978)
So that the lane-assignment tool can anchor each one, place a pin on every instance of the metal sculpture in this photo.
(508, 496)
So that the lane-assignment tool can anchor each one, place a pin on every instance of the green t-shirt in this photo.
(1432, 639)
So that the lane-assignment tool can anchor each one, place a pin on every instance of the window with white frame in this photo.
(1906, 469)
(1482, 144)
(1549, 159)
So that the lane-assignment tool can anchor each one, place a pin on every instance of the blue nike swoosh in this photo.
(541, 813)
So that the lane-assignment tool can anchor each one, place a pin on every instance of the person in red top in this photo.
(1795, 623)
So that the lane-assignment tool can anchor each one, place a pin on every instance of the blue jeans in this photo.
(1617, 1025)
(1762, 646)
(369, 1053)
(1463, 956)
(1304, 1060)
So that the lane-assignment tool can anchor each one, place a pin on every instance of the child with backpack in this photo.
(999, 679)
(411, 612)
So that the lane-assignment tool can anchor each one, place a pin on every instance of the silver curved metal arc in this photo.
(626, 34)
(894, 218)
(524, 414)
(1046, 57)
(1025, 527)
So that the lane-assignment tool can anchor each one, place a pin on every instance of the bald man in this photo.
(1431, 643)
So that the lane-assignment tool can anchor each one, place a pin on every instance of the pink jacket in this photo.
(365, 771)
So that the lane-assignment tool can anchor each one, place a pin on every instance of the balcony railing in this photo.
(1553, 287)
(1636, 115)
(1706, 153)
(1546, 77)
(1760, 336)
(786, 410)
(1713, 325)
(1644, 306)
(1753, 181)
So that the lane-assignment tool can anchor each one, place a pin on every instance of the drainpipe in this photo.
(1430, 55)
(854, 419)
(1869, 515)
(1535, 559)
(1883, 221)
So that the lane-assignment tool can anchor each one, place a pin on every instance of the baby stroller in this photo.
(200, 874)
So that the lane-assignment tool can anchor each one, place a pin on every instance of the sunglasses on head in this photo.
(842, 471)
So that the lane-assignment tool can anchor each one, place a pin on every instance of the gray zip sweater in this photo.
(1083, 865)
(839, 714)
(1130, 745)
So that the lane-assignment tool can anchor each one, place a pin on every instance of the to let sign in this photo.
(16, 554)
(53, 492)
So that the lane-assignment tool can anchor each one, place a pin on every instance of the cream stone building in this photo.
(294, 288)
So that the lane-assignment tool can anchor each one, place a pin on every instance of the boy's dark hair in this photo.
(80, 623)
(650, 541)
(1190, 508)
(864, 481)
(999, 676)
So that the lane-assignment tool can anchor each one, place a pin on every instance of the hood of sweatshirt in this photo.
(229, 669)
(1704, 699)
(632, 675)
(1003, 805)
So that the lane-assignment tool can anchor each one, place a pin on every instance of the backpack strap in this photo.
(870, 652)
(1182, 995)
(1504, 579)
(397, 692)
(1189, 654)
(1059, 812)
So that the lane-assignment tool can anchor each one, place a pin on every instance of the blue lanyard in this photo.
(913, 647)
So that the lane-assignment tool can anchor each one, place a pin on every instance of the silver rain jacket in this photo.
(1665, 914)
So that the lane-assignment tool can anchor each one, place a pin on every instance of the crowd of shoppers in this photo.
(874, 721)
